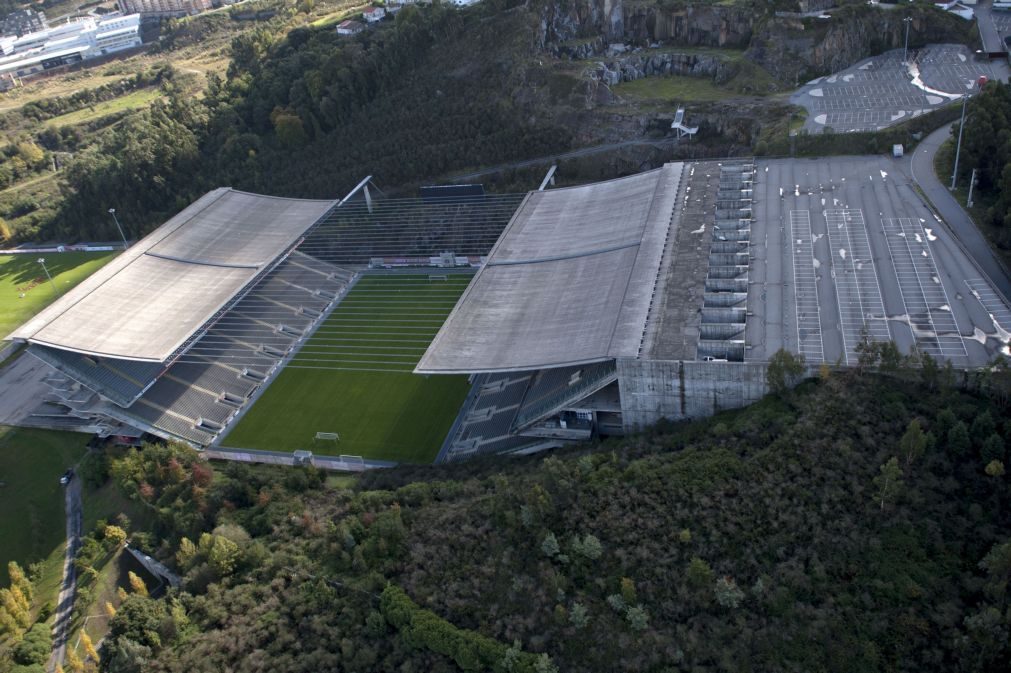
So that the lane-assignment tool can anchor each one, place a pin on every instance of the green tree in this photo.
(888, 481)
(637, 618)
(699, 574)
(913, 442)
(783, 371)
(994, 468)
(579, 616)
(958, 439)
(992, 449)
(549, 546)
(982, 428)
(728, 594)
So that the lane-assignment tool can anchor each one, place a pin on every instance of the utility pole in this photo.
(42, 261)
(112, 211)
(908, 20)
(972, 183)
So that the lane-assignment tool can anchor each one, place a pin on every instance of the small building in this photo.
(350, 27)
(373, 14)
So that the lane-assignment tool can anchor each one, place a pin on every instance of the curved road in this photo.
(958, 221)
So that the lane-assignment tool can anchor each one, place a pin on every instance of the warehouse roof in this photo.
(148, 301)
(569, 281)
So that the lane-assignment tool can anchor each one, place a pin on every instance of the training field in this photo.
(353, 377)
(23, 275)
(31, 498)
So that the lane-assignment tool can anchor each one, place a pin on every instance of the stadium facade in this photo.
(594, 310)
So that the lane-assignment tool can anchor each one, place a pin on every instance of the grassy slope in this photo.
(21, 271)
(389, 415)
(132, 101)
(31, 499)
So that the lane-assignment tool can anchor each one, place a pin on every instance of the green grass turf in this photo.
(22, 274)
(134, 100)
(354, 378)
(31, 499)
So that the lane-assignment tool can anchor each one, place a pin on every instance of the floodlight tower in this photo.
(42, 261)
(958, 147)
(112, 211)
(905, 49)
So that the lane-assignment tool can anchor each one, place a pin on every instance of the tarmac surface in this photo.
(883, 90)
(22, 388)
(845, 245)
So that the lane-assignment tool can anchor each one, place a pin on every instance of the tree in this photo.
(994, 468)
(224, 556)
(913, 442)
(549, 546)
(783, 370)
(728, 594)
(579, 616)
(89, 647)
(958, 439)
(137, 584)
(699, 574)
(992, 449)
(116, 535)
(888, 481)
(628, 592)
(637, 617)
(982, 428)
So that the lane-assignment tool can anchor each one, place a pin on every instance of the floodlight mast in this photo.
(905, 49)
(42, 261)
(961, 124)
(112, 211)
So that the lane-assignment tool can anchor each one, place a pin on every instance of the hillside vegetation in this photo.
(860, 523)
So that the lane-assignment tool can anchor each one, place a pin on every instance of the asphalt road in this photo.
(988, 30)
(65, 601)
(958, 221)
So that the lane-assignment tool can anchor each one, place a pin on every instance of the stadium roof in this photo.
(148, 301)
(569, 282)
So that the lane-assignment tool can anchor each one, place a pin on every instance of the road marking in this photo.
(810, 343)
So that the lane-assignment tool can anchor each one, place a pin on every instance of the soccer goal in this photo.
(432, 278)
(327, 437)
(353, 462)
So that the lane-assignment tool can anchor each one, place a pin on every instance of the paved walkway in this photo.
(336, 463)
(958, 221)
(65, 601)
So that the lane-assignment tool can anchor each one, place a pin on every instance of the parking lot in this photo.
(883, 90)
(844, 246)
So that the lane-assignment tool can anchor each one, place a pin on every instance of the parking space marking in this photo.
(923, 295)
(808, 308)
(991, 301)
(860, 305)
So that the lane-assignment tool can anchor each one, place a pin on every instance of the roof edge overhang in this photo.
(510, 370)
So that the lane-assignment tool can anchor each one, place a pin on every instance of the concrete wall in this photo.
(655, 389)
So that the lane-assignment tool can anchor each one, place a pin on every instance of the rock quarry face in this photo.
(788, 46)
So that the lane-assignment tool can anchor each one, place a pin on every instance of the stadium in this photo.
(460, 323)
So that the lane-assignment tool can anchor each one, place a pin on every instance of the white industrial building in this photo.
(71, 42)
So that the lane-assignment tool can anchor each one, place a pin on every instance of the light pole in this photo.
(961, 124)
(42, 261)
(908, 20)
(112, 211)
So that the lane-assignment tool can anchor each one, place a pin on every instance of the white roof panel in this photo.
(148, 301)
(570, 280)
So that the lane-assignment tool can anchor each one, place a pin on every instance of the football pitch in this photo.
(353, 377)
(25, 290)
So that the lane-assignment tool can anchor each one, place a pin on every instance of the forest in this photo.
(857, 523)
(986, 147)
(310, 114)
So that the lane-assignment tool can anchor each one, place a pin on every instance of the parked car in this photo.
(67, 476)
